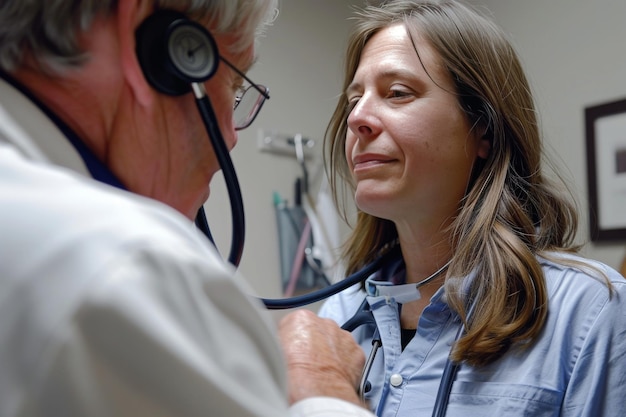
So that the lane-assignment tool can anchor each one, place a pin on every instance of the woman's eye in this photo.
(398, 93)
(352, 102)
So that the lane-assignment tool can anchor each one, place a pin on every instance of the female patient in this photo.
(436, 134)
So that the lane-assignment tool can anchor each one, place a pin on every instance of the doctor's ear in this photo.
(174, 52)
(129, 14)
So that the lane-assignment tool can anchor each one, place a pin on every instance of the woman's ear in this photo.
(484, 147)
(484, 141)
(130, 14)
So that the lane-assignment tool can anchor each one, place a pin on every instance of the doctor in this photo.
(112, 303)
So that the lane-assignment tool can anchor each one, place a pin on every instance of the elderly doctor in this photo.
(112, 302)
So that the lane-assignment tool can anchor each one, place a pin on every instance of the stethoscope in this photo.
(188, 69)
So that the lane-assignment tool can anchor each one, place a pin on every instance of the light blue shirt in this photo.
(577, 366)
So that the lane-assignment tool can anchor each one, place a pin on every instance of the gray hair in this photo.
(49, 30)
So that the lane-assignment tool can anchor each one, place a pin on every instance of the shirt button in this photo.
(395, 380)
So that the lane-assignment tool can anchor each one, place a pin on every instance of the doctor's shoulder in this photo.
(104, 291)
(65, 234)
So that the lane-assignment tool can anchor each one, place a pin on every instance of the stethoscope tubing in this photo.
(357, 277)
(230, 177)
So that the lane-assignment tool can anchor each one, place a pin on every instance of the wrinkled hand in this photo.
(322, 359)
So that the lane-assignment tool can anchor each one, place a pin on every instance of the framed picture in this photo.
(605, 127)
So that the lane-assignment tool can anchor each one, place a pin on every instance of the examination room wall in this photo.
(573, 51)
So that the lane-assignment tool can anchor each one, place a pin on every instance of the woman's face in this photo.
(409, 146)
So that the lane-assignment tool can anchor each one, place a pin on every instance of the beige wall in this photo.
(574, 52)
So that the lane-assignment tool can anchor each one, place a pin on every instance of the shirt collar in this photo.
(98, 170)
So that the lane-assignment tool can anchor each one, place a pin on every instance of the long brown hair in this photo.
(511, 212)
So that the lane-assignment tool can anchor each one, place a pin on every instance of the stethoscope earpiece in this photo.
(174, 51)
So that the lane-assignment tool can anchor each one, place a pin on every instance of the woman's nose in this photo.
(363, 119)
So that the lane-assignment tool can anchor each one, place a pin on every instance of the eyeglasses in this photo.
(249, 100)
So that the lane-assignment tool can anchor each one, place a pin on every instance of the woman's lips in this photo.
(364, 161)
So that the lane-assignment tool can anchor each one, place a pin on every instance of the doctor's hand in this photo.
(322, 359)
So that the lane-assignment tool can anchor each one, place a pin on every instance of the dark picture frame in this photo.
(605, 129)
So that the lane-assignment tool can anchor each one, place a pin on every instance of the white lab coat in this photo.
(112, 304)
